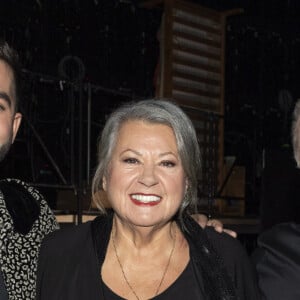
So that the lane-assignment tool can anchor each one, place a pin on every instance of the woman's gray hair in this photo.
(158, 112)
(296, 133)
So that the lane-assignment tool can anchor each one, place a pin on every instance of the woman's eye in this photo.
(167, 163)
(131, 160)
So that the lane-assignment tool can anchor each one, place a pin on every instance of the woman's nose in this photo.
(148, 177)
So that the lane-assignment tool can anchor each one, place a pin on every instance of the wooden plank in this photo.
(195, 51)
(193, 104)
(205, 42)
(196, 65)
(195, 8)
(202, 27)
(213, 82)
(201, 115)
(198, 91)
(192, 98)
(198, 39)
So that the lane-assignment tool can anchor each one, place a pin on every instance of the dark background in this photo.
(110, 46)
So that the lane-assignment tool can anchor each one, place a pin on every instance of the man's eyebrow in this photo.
(5, 97)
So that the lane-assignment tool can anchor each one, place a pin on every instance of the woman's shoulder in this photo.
(224, 253)
(66, 238)
(222, 242)
(67, 257)
(229, 249)
(237, 262)
(232, 252)
(78, 237)
(225, 244)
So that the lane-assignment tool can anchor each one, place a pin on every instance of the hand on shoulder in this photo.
(203, 221)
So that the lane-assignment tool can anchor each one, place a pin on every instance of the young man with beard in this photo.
(25, 217)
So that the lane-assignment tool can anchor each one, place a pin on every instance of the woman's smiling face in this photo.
(146, 182)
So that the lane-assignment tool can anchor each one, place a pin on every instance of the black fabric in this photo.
(67, 266)
(71, 259)
(237, 263)
(3, 292)
(182, 288)
(22, 207)
(101, 228)
(277, 261)
(217, 283)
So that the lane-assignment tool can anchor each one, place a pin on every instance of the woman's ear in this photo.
(104, 183)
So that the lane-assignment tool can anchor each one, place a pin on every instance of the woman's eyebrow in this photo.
(131, 150)
(167, 153)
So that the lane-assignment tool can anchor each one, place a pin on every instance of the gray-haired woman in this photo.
(147, 247)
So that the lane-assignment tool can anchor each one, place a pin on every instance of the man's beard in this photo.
(4, 149)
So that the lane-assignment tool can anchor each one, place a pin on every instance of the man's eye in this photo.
(168, 163)
(131, 160)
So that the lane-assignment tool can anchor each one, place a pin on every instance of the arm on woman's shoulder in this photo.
(204, 221)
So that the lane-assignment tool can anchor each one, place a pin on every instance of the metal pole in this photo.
(88, 156)
(80, 160)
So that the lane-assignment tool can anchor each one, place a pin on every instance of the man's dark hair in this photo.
(11, 58)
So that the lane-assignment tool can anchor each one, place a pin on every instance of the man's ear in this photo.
(16, 124)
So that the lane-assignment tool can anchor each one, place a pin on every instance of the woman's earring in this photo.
(104, 183)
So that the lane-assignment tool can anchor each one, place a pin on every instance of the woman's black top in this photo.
(184, 287)
(71, 259)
